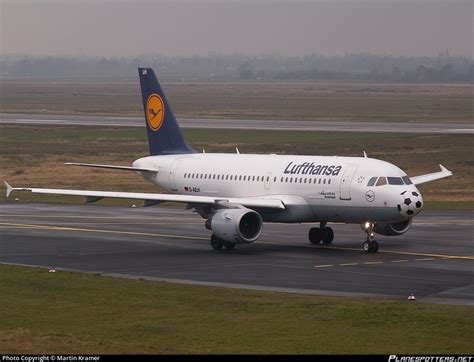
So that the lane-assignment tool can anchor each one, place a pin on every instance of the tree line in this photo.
(236, 67)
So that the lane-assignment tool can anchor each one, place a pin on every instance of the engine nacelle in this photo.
(238, 226)
(394, 228)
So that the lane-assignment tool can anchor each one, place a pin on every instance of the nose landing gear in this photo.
(370, 245)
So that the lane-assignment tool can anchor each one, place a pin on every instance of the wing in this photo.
(92, 196)
(123, 168)
(431, 176)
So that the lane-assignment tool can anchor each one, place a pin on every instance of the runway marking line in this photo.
(443, 256)
(375, 262)
(64, 228)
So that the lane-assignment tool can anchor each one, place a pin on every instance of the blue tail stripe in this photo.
(164, 134)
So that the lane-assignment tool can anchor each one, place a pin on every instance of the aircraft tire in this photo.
(229, 246)
(216, 243)
(315, 235)
(328, 235)
(371, 247)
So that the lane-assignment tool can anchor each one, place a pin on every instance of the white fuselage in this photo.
(312, 188)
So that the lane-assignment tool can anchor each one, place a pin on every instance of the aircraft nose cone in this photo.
(411, 203)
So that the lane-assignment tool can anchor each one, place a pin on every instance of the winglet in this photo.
(9, 188)
(444, 169)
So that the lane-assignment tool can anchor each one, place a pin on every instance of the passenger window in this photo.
(274, 179)
(382, 181)
(329, 181)
(319, 181)
(286, 180)
(372, 181)
(395, 180)
(407, 180)
(324, 181)
(240, 178)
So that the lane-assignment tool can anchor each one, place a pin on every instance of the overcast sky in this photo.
(131, 28)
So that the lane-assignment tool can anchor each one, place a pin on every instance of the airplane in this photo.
(236, 193)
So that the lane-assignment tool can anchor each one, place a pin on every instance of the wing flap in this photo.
(417, 180)
(189, 199)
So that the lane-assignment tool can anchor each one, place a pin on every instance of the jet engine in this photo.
(394, 228)
(237, 226)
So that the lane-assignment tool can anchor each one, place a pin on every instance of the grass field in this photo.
(84, 313)
(292, 101)
(34, 156)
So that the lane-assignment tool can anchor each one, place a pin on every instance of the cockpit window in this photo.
(407, 180)
(395, 180)
(372, 181)
(381, 181)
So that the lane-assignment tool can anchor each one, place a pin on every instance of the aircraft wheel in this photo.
(328, 235)
(375, 246)
(366, 246)
(315, 235)
(229, 246)
(216, 243)
(371, 247)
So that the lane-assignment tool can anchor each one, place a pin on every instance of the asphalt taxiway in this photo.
(249, 124)
(434, 260)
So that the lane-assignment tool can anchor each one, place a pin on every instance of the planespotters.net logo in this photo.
(395, 358)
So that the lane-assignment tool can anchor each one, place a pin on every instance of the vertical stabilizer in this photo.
(164, 134)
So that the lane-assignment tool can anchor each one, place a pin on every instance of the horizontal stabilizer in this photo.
(112, 167)
(417, 180)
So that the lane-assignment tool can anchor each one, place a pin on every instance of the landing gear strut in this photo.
(370, 245)
(321, 234)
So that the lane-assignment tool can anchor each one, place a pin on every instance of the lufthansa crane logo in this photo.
(155, 111)
(370, 196)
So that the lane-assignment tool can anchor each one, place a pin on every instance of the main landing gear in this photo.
(321, 234)
(218, 243)
(370, 245)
